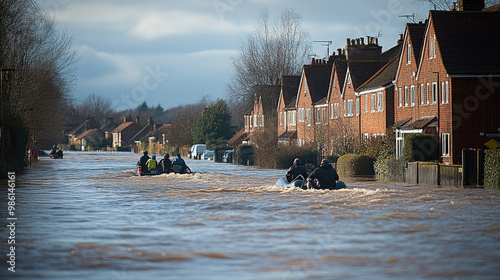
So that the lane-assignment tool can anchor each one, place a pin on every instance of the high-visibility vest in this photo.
(151, 163)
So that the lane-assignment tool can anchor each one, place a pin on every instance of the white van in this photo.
(197, 150)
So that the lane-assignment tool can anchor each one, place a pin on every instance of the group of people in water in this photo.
(324, 177)
(148, 164)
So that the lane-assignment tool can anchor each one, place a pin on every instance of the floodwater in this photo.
(88, 217)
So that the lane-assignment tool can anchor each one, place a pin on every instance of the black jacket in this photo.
(142, 162)
(326, 175)
(166, 165)
(295, 171)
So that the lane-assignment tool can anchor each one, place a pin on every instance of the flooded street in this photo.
(88, 217)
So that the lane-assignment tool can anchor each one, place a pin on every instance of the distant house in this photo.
(107, 128)
(90, 138)
(89, 123)
(287, 112)
(263, 114)
(124, 132)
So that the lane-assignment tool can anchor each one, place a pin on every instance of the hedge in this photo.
(243, 155)
(354, 164)
(388, 168)
(492, 169)
(420, 147)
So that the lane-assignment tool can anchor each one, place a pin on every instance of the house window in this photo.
(400, 97)
(442, 93)
(435, 92)
(286, 118)
(447, 90)
(380, 101)
(373, 102)
(301, 115)
(317, 115)
(262, 120)
(422, 94)
(337, 111)
(358, 106)
(445, 144)
(427, 96)
(399, 143)
(308, 116)
(406, 96)
(409, 54)
(343, 108)
(367, 136)
(366, 102)
(332, 116)
(432, 47)
(323, 114)
(293, 118)
(281, 118)
(413, 95)
(250, 119)
(350, 107)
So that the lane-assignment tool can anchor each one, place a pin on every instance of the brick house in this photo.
(452, 93)
(313, 90)
(124, 132)
(287, 112)
(263, 114)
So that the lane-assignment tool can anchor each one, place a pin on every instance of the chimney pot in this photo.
(348, 41)
(137, 119)
(339, 51)
(362, 41)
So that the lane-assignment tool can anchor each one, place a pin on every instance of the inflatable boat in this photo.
(282, 182)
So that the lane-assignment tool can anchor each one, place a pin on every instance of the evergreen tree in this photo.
(214, 124)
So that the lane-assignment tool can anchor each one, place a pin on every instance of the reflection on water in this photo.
(88, 217)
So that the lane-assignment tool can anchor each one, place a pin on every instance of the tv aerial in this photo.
(409, 17)
(327, 44)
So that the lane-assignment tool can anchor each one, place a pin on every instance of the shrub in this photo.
(420, 147)
(388, 168)
(243, 155)
(353, 164)
(492, 169)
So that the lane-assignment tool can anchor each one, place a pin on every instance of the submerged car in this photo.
(228, 156)
(208, 155)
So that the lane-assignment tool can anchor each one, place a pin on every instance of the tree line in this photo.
(36, 62)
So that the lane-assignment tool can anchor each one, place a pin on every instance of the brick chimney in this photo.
(137, 119)
(127, 118)
(357, 50)
(470, 5)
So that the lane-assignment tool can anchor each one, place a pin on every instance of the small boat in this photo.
(298, 183)
(158, 171)
(282, 182)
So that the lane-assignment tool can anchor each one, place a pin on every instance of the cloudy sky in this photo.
(174, 52)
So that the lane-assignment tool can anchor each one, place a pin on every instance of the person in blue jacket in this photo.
(179, 161)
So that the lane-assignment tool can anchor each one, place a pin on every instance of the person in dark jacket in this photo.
(166, 164)
(295, 171)
(326, 177)
(179, 161)
(143, 160)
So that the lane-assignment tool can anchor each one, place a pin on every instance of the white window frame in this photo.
(445, 144)
(447, 92)
(400, 98)
(413, 95)
(373, 103)
(406, 96)
(332, 115)
(294, 118)
(408, 60)
(399, 143)
(308, 116)
(336, 107)
(427, 93)
(422, 94)
(380, 101)
(358, 106)
(281, 118)
(435, 92)
(323, 114)
(366, 102)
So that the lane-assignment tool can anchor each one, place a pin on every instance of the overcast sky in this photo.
(174, 52)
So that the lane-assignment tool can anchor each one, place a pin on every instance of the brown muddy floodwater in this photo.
(88, 217)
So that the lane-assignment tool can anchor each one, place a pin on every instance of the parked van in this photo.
(197, 150)
(208, 155)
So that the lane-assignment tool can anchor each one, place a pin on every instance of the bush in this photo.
(388, 168)
(420, 147)
(243, 155)
(492, 169)
(353, 164)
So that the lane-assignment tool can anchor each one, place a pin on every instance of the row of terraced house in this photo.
(442, 78)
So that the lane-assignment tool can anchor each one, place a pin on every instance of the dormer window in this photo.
(348, 79)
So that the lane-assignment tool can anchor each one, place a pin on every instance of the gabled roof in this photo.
(318, 79)
(339, 69)
(269, 96)
(87, 124)
(89, 132)
(238, 138)
(361, 71)
(468, 41)
(416, 32)
(109, 126)
(391, 53)
(289, 89)
(123, 125)
(384, 77)
(290, 134)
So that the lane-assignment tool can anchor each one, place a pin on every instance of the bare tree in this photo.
(96, 106)
(271, 51)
